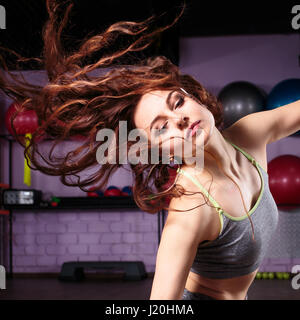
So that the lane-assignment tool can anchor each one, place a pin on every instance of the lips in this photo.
(190, 130)
(193, 124)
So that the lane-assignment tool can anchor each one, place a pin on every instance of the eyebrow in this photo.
(159, 117)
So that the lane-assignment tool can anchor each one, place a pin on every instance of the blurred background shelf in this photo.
(82, 203)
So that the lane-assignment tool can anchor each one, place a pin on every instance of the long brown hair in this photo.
(75, 103)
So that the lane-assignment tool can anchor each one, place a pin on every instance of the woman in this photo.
(209, 249)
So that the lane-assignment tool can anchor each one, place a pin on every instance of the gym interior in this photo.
(59, 242)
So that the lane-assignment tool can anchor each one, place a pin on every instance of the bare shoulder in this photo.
(241, 134)
(195, 211)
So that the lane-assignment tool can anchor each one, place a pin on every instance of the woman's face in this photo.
(166, 116)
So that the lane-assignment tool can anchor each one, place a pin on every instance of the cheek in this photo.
(209, 119)
(212, 122)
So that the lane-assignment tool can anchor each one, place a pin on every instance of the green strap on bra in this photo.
(247, 155)
(200, 186)
(211, 199)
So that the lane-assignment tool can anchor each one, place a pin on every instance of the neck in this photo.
(219, 156)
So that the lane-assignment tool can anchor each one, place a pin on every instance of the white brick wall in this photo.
(42, 241)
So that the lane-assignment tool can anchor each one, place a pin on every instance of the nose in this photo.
(183, 123)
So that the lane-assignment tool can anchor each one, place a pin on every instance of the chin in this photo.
(202, 137)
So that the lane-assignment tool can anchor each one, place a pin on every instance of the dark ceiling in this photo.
(25, 18)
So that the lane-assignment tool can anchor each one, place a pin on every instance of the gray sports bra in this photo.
(234, 252)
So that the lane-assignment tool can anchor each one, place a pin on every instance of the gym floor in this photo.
(114, 288)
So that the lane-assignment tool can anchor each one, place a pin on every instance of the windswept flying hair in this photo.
(75, 103)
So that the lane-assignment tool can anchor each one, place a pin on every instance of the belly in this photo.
(221, 289)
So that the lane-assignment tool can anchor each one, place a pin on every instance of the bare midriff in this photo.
(221, 289)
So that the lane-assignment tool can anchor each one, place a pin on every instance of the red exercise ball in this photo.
(92, 192)
(284, 179)
(112, 192)
(25, 121)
